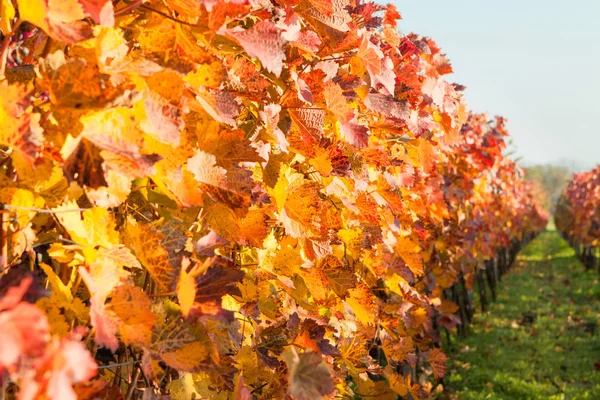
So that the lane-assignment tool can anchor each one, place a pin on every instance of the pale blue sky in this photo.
(536, 62)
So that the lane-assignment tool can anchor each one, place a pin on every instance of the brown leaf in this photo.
(84, 165)
(438, 359)
(341, 281)
(159, 249)
(310, 121)
(308, 376)
(173, 343)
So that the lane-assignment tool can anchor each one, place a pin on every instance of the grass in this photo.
(540, 339)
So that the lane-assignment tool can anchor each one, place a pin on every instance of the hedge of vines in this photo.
(237, 199)
(577, 215)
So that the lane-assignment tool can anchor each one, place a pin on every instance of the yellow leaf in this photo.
(97, 229)
(56, 318)
(288, 259)
(7, 13)
(119, 187)
(186, 291)
(362, 303)
(183, 388)
(110, 46)
(224, 221)
(60, 292)
(21, 198)
(353, 239)
(197, 386)
(206, 75)
(33, 11)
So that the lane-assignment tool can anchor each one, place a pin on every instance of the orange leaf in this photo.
(336, 103)
(438, 359)
(132, 306)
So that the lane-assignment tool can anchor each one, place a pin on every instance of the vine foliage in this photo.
(237, 199)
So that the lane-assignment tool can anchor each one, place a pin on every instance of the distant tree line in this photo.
(550, 179)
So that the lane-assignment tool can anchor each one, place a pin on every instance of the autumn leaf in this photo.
(62, 21)
(387, 106)
(391, 15)
(101, 11)
(159, 251)
(7, 13)
(408, 249)
(96, 229)
(309, 121)
(355, 134)
(65, 362)
(25, 331)
(263, 41)
(308, 376)
(437, 360)
(186, 291)
(336, 103)
(173, 343)
(337, 20)
(369, 57)
(21, 133)
(220, 105)
(132, 307)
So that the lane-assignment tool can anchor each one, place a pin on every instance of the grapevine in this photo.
(239, 199)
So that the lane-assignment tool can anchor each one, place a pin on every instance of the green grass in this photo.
(509, 356)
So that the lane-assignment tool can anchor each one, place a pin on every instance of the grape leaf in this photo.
(308, 376)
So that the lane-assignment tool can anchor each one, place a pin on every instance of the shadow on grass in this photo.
(540, 339)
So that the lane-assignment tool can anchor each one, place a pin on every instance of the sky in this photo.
(534, 62)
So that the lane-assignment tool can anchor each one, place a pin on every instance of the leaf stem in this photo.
(43, 210)
(164, 14)
(119, 365)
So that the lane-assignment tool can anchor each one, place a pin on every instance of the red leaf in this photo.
(25, 332)
(101, 11)
(64, 363)
(356, 135)
(264, 42)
